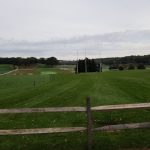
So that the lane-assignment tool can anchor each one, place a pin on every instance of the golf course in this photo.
(54, 87)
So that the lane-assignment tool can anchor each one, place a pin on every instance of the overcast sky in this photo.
(45, 28)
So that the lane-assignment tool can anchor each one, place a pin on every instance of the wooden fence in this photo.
(88, 109)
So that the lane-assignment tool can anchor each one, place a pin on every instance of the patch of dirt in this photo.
(24, 72)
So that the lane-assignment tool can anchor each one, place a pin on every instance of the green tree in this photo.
(52, 61)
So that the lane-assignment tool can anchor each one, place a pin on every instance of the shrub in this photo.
(113, 67)
(121, 67)
(131, 67)
(141, 66)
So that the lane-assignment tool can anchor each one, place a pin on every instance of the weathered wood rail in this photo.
(41, 130)
(77, 109)
(88, 109)
(108, 128)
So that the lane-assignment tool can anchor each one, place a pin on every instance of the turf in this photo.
(66, 89)
(5, 68)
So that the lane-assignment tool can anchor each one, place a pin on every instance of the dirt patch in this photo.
(24, 72)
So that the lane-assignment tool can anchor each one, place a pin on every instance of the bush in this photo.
(141, 66)
(131, 67)
(113, 67)
(52, 61)
(121, 68)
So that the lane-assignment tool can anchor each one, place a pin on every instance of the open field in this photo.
(40, 88)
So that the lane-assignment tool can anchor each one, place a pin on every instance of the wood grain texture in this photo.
(108, 128)
(41, 130)
(121, 107)
(42, 110)
(76, 109)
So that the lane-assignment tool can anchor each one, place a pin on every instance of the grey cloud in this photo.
(110, 44)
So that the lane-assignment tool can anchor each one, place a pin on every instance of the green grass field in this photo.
(67, 89)
(5, 68)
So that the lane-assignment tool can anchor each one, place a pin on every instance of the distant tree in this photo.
(91, 66)
(141, 66)
(112, 62)
(52, 61)
(113, 67)
(121, 67)
(42, 61)
(131, 67)
(126, 60)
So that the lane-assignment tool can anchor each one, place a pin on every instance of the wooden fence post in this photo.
(89, 123)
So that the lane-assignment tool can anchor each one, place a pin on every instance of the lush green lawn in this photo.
(5, 68)
(66, 89)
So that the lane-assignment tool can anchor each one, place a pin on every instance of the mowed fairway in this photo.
(67, 89)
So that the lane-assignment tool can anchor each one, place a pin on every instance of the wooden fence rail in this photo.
(88, 109)
(77, 109)
(108, 128)
(41, 130)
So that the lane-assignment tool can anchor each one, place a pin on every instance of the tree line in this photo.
(51, 61)
(117, 60)
(126, 60)
(30, 61)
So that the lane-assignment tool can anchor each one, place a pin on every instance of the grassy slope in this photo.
(70, 90)
(5, 68)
